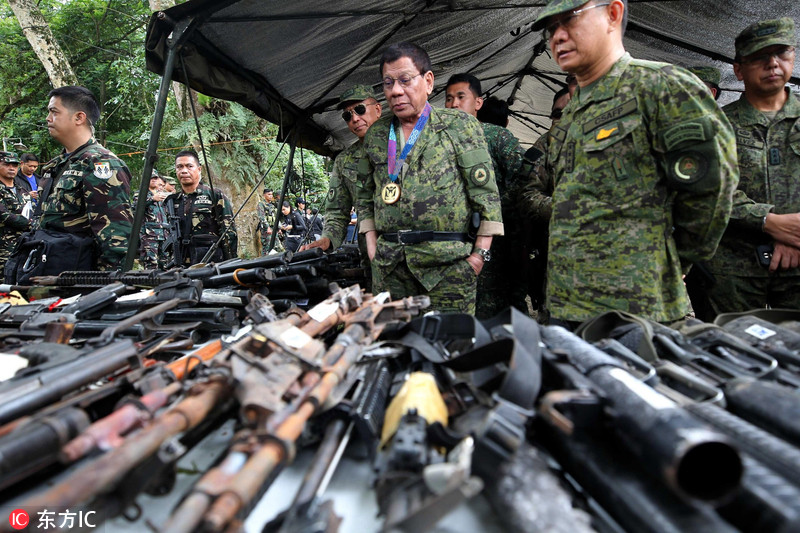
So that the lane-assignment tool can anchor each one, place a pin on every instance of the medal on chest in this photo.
(391, 191)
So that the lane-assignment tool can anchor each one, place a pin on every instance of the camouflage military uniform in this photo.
(88, 192)
(644, 169)
(769, 164)
(446, 177)
(342, 193)
(12, 223)
(204, 216)
(266, 219)
(502, 282)
(153, 234)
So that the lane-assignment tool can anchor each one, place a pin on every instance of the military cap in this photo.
(706, 74)
(300, 201)
(355, 94)
(9, 157)
(763, 34)
(555, 7)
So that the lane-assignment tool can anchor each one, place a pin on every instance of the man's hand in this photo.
(372, 243)
(476, 262)
(784, 228)
(323, 243)
(784, 257)
(34, 194)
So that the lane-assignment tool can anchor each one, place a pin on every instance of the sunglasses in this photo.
(360, 109)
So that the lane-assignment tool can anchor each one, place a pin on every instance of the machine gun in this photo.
(173, 246)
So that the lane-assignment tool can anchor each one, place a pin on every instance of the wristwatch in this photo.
(483, 252)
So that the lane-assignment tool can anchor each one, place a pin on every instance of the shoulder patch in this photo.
(626, 108)
(533, 154)
(688, 167)
(683, 133)
(480, 175)
(102, 169)
(331, 194)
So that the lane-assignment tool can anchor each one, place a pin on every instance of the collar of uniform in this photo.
(605, 87)
(749, 115)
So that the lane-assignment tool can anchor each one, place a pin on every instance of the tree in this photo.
(47, 49)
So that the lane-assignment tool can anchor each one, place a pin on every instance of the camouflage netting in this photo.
(290, 60)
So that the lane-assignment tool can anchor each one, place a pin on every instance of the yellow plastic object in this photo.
(14, 298)
(418, 392)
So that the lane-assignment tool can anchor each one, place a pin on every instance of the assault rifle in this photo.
(274, 423)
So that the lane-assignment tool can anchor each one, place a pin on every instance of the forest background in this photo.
(102, 44)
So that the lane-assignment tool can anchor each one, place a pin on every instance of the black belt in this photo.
(416, 237)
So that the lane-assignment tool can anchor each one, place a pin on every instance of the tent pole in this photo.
(286, 177)
(151, 156)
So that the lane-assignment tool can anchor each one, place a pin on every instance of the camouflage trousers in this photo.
(500, 284)
(151, 253)
(731, 294)
(455, 293)
(265, 244)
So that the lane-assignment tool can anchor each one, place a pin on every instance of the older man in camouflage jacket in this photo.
(425, 173)
(766, 209)
(642, 170)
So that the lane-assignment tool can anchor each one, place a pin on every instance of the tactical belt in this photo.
(416, 237)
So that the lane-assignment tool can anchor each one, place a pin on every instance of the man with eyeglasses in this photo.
(360, 110)
(766, 212)
(641, 171)
(425, 173)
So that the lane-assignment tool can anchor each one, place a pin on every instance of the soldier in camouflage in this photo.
(12, 200)
(86, 190)
(766, 207)
(502, 282)
(642, 170)
(417, 203)
(153, 234)
(266, 213)
(360, 110)
(204, 215)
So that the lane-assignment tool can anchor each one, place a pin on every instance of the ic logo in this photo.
(19, 519)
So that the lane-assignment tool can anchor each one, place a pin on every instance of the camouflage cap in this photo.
(706, 74)
(554, 7)
(355, 94)
(9, 157)
(765, 33)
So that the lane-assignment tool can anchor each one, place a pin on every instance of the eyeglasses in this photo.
(567, 21)
(404, 81)
(360, 109)
(764, 59)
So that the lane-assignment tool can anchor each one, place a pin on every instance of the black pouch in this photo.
(49, 253)
(199, 246)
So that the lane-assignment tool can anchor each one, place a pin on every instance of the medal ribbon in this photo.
(394, 167)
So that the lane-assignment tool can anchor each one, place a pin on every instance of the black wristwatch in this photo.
(483, 252)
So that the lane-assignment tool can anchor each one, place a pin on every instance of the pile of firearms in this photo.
(626, 426)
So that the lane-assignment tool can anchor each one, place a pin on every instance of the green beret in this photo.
(555, 7)
(356, 93)
(763, 34)
(706, 74)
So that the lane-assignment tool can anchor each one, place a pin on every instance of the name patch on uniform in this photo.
(102, 170)
(746, 138)
(74, 173)
(682, 133)
(626, 108)
(203, 199)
